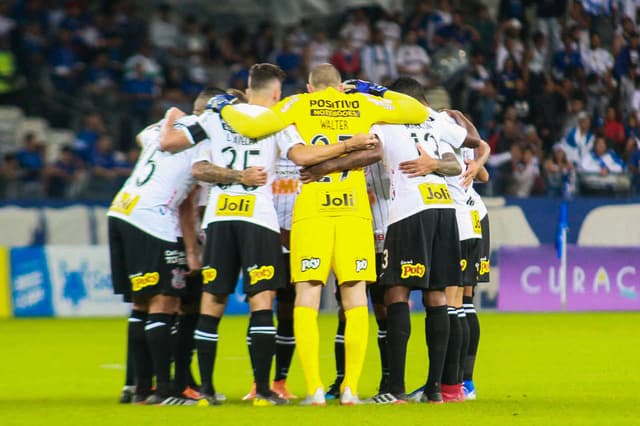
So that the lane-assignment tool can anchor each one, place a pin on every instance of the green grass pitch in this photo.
(532, 370)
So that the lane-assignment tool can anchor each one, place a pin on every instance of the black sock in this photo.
(398, 331)
(139, 352)
(464, 346)
(474, 336)
(263, 342)
(338, 349)
(382, 346)
(450, 373)
(130, 378)
(206, 337)
(285, 345)
(437, 333)
(183, 349)
(157, 330)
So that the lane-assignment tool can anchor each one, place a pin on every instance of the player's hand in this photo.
(469, 175)
(361, 141)
(421, 166)
(174, 113)
(363, 86)
(218, 102)
(253, 176)
(193, 262)
(312, 173)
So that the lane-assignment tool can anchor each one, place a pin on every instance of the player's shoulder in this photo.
(287, 105)
(373, 101)
(249, 109)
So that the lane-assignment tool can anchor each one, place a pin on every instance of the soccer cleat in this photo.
(207, 400)
(191, 393)
(348, 398)
(416, 395)
(280, 387)
(432, 398)
(451, 393)
(387, 399)
(252, 393)
(268, 400)
(317, 399)
(156, 399)
(469, 390)
(126, 397)
(334, 391)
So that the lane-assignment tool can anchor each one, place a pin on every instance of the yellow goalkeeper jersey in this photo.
(328, 117)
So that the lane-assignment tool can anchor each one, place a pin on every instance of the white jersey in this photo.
(409, 196)
(158, 184)
(226, 148)
(451, 133)
(378, 190)
(285, 187)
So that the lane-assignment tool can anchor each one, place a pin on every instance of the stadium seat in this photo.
(611, 226)
(19, 225)
(101, 225)
(10, 123)
(509, 226)
(56, 139)
(35, 125)
(67, 225)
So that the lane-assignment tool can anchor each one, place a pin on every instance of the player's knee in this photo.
(434, 298)
(262, 301)
(396, 294)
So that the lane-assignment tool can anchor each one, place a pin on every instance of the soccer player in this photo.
(148, 263)
(331, 226)
(457, 137)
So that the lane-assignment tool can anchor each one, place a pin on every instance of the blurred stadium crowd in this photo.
(552, 85)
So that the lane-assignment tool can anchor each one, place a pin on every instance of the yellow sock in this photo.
(305, 327)
(356, 335)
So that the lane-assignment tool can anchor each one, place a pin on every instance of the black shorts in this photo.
(142, 265)
(422, 251)
(375, 290)
(470, 260)
(484, 267)
(234, 246)
(194, 290)
(286, 294)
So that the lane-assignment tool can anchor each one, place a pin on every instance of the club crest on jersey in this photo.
(235, 205)
(209, 275)
(410, 269)
(485, 267)
(361, 265)
(435, 193)
(309, 263)
(262, 273)
(337, 200)
(140, 281)
(463, 265)
(178, 281)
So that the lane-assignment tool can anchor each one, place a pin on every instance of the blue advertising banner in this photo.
(30, 283)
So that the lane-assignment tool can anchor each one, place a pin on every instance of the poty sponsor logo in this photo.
(141, 281)
(310, 263)
(412, 270)
(485, 267)
(262, 273)
(361, 264)
(209, 275)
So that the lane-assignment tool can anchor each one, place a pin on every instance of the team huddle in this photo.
(353, 179)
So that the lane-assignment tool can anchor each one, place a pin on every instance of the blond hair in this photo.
(323, 76)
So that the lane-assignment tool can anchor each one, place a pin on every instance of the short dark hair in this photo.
(409, 86)
(260, 75)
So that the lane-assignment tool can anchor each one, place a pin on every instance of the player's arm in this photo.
(353, 160)
(483, 175)
(425, 164)
(473, 140)
(171, 138)
(206, 172)
(187, 217)
(309, 155)
(251, 126)
(404, 109)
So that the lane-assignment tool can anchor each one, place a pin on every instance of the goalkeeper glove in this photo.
(363, 86)
(218, 102)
